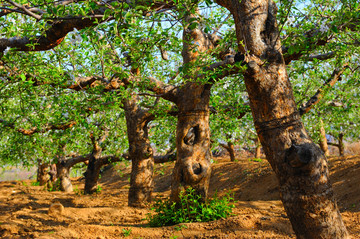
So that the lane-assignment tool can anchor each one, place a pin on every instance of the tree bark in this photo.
(93, 169)
(95, 163)
(63, 174)
(169, 157)
(140, 154)
(91, 176)
(258, 148)
(63, 168)
(192, 167)
(341, 145)
(42, 173)
(230, 148)
(323, 141)
(299, 164)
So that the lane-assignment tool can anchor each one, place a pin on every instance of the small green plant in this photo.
(190, 208)
(121, 174)
(77, 191)
(256, 160)
(35, 183)
(53, 187)
(161, 171)
(98, 189)
(179, 228)
(24, 183)
(126, 232)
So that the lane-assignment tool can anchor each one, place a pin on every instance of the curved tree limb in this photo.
(34, 130)
(335, 76)
(25, 10)
(75, 160)
(316, 38)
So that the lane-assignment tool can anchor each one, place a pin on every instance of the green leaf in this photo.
(334, 29)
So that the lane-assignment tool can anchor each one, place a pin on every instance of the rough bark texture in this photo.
(323, 141)
(42, 173)
(257, 143)
(140, 154)
(192, 168)
(299, 164)
(92, 175)
(63, 174)
(258, 151)
(63, 168)
(96, 162)
(53, 172)
(341, 145)
(230, 148)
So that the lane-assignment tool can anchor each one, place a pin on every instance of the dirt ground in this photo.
(24, 209)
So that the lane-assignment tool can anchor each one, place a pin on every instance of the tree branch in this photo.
(50, 39)
(34, 130)
(53, 36)
(321, 57)
(107, 160)
(166, 91)
(336, 76)
(78, 159)
(225, 146)
(315, 38)
(333, 144)
(170, 157)
(26, 11)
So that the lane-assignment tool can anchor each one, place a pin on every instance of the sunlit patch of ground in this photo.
(258, 212)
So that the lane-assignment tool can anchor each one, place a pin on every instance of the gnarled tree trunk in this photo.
(63, 168)
(95, 163)
(63, 174)
(193, 167)
(230, 148)
(92, 175)
(42, 173)
(299, 164)
(140, 154)
(93, 170)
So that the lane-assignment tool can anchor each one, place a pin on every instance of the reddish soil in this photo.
(24, 209)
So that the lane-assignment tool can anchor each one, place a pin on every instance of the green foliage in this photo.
(35, 86)
(53, 187)
(179, 228)
(98, 189)
(190, 208)
(77, 191)
(126, 232)
(35, 183)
